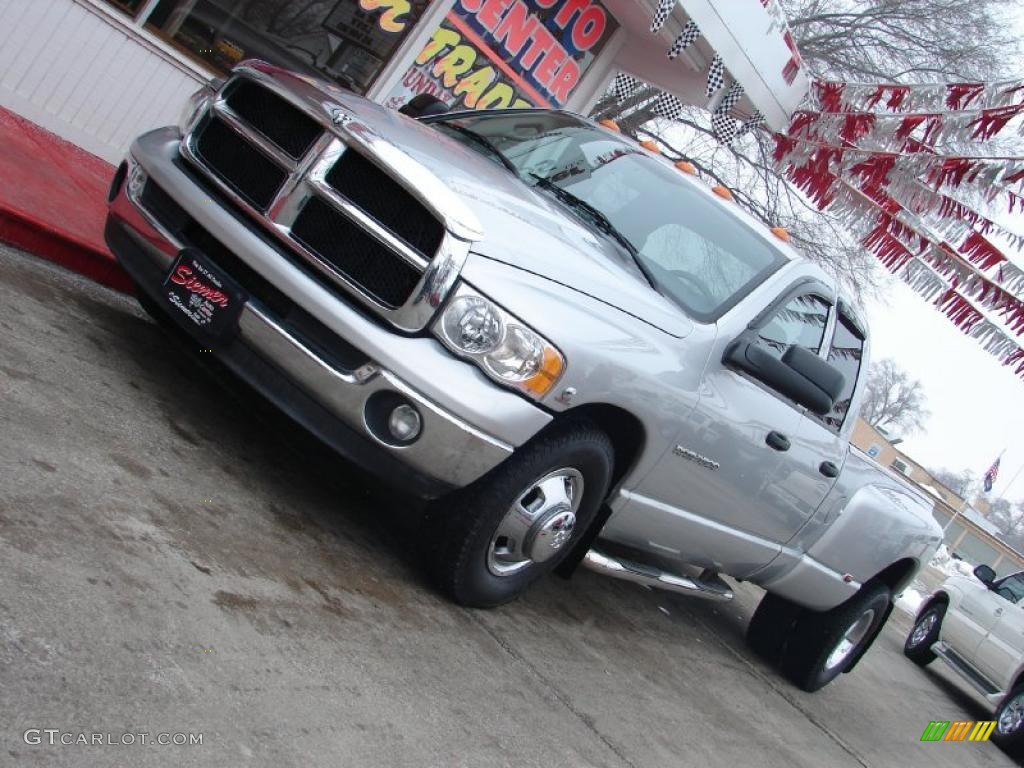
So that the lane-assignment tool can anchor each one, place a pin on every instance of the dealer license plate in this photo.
(203, 295)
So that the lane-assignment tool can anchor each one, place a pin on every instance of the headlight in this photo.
(508, 351)
(194, 108)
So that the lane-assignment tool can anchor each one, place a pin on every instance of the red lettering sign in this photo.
(182, 276)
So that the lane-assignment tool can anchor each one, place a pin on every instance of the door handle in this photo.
(777, 441)
(828, 469)
(998, 612)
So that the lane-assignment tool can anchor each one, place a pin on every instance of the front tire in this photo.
(823, 645)
(918, 646)
(514, 525)
(1009, 730)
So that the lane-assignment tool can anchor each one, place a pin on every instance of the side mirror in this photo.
(985, 575)
(800, 375)
(424, 105)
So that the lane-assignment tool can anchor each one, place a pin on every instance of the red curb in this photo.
(42, 240)
(53, 200)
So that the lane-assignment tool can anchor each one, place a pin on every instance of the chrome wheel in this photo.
(851, 639)
(1012, 715)
(923, 628)
(538, 524)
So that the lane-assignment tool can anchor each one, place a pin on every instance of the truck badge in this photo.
(695, 457)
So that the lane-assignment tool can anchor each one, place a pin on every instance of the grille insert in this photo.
(285, 125)
(356, 254)
(387, 201)
(241, 166)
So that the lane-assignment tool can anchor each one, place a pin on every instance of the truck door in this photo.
(825, 439)
(1001, 649)
(736, 486)
(967, 626)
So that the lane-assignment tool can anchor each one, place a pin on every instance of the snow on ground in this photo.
(909, 601)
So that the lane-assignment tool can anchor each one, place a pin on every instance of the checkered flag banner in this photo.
(624, 86)
(686, 38)
(664, 9)
(754, 122)
(724, 127)
(716, 76)
(731, 99)
(668, 106)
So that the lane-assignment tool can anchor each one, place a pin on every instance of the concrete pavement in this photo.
(171, 564)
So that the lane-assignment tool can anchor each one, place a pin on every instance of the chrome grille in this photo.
(250, 173)
(328, 198)
(286, 126)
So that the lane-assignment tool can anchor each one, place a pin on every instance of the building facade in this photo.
(99, 72)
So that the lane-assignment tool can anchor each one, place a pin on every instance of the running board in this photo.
(962, 668)
(710, 587)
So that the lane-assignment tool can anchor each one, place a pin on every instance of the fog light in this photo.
(405, 423)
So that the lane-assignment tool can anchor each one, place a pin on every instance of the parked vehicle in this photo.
(578, 350)
(976, 626)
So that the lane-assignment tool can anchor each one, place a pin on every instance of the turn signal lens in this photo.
(650, 146)
(722, 192)
(782, 233)
(686, 167)
(611, 125)
(545, 378)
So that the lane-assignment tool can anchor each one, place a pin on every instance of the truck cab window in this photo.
(801, 321)
(1012, 588)
(845, 355)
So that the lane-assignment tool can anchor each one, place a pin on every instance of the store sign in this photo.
(370, 31)
(492, 54)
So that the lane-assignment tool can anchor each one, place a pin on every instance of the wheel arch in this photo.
(624, 428)
(897, 576)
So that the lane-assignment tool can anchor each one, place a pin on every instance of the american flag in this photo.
(991, 475)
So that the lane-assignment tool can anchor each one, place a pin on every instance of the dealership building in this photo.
(100, 72)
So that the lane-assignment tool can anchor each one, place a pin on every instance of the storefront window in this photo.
(348, 41)
(491, 54)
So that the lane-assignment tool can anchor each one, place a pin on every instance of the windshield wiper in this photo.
(484, 142)
(599, 220)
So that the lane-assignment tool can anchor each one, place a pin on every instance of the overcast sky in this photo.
(976, 403)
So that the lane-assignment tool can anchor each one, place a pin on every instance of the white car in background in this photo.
(976, 625)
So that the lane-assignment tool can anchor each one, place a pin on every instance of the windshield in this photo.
(693, 250)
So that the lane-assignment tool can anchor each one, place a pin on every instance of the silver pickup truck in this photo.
(580, 352)
(976, 626)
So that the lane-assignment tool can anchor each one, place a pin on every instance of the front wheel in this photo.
(918, 647)
(1009, 730)
(495, 538)
(823, 645)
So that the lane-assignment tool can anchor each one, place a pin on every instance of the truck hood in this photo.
(523, 227)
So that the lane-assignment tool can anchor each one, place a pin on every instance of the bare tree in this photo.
(856, 40)
(1008, 517)
(893, 400)
(963, 483)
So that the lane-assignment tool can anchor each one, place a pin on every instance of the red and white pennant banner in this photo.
(893, 97)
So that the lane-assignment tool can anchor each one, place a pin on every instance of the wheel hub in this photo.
(549, 534)
(922, 629)
(1012, 715)
(851, 639)
(539, 523)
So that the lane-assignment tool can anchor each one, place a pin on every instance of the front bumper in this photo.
(469, 425)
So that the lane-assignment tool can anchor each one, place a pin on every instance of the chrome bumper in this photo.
(455, 449)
